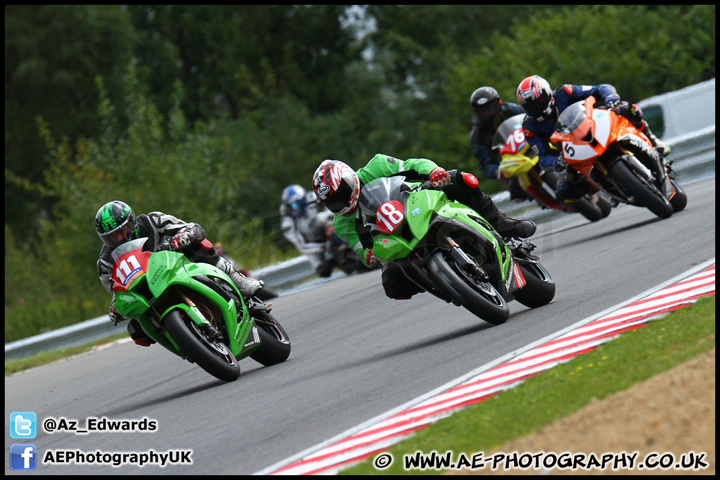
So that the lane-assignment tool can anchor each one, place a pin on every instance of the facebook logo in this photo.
(23, 456)
(23, 425)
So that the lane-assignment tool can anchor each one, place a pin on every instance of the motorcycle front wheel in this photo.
(211, 355)
(480, 298)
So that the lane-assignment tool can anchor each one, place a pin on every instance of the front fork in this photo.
(647, 161)
(464, 262)
(209, 326)
(657, 173)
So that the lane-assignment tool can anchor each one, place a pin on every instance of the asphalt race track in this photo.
(355, 355)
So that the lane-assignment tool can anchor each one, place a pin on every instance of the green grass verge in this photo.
(549, 396)
(16, 365)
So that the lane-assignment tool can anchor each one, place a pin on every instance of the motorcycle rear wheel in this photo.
(274, 342)
(645, 194)
(679, 200)
(540, 287)
(212, 356)
(604, 204)
(585, 207)
(483, 300)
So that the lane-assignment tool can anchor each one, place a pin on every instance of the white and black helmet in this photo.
(336, 186)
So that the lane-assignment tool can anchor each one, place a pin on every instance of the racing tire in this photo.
(539, 288)
(645, 194)
(679, 199)
(212, 356)
(274, 342)
(604, 204)
(482, 300)
(585, 207)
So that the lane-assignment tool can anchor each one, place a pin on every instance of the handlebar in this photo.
(164, 247)
(429, 186)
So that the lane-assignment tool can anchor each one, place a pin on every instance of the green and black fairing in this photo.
(167, 281)
(448, 249)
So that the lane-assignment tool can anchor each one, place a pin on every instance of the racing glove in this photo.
(370, 260)
(439, 177)
(662, 148)
(612, 101)
(183, 238)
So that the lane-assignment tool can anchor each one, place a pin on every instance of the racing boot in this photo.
(138, 334)
(661, 147)
(246, 285)
(506, 226)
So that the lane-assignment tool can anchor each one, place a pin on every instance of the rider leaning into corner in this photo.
(116, 223)
(543, 106)
(337, 186)
(489, 112)
(306, 227)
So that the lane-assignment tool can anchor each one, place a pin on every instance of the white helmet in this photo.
(337, 186)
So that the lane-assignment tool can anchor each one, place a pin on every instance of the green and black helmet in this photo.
(115, 223)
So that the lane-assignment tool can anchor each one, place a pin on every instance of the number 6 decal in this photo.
(389, 216)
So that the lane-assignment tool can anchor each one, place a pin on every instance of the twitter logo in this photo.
(23, 425)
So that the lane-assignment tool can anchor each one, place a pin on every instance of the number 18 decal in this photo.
(389, 216)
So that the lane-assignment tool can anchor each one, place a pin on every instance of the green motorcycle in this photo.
(195, 310)
(448, 249)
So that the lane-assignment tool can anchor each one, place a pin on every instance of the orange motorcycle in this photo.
(518, 159)
(617, 158)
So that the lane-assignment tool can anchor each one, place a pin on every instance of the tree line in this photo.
(208, 112)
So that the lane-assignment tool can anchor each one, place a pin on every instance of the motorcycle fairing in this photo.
(516, 163)
(602, 126)
(428, 208)
(164, 270)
